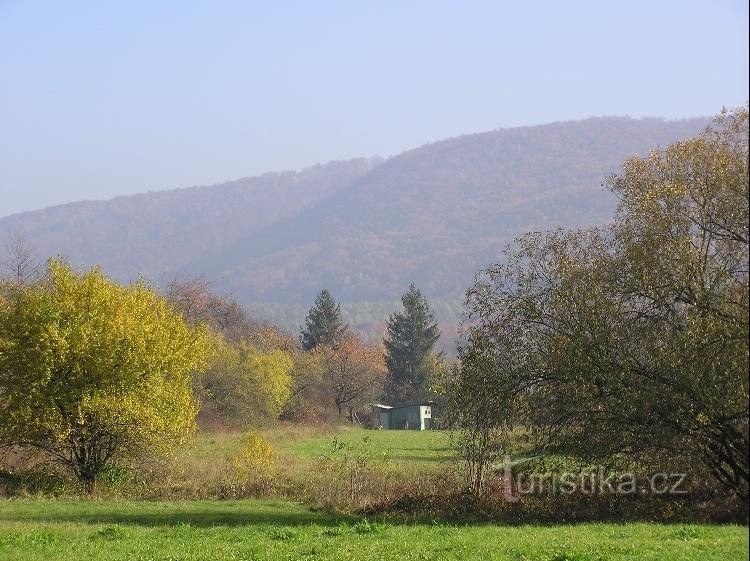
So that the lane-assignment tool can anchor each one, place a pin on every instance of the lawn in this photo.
(279, 530)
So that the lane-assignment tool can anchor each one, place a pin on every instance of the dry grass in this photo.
(348, 470)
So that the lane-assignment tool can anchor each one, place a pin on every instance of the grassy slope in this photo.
(274, 530)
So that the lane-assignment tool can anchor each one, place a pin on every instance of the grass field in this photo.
(205, 463)
(426, 449)
(401, 447)
(112, 529)
(279, 530)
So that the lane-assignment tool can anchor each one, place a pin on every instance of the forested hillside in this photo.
(362, 228)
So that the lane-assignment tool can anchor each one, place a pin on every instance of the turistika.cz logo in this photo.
(593, 480)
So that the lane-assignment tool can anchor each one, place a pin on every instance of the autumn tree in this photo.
(409, 342)
(245, 384)
(323, 324)
(632, 339)
(198, 303)
(91, 370)
(353, 374)
(307, 401)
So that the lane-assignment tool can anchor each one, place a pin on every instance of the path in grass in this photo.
(278, 530)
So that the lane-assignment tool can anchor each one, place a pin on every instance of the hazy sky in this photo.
(99, 99)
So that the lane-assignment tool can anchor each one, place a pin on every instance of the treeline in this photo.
(365, 317)
(94, 372)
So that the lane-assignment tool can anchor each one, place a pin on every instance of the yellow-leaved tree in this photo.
(244, 384)
(91, 370)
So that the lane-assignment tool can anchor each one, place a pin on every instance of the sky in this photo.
(100, 99)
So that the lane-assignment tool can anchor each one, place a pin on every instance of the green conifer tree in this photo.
(323, 324)
(409, 343)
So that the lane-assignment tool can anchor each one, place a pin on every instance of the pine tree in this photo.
(323, 325)
(409, 341)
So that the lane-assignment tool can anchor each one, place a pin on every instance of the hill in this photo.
(363, 228)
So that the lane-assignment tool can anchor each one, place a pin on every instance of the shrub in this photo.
(257, 465)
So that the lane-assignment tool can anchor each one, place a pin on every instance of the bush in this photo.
(257, 466)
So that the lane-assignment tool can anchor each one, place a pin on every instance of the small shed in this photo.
(416, 416)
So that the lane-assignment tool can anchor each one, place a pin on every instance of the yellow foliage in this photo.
(247, 384)
(84, 360)
(258, 460)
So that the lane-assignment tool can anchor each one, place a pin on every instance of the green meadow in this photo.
(108, 528)
(425, 450)
(276, 530)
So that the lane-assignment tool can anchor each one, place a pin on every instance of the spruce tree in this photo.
(409, 342)
(323, 325)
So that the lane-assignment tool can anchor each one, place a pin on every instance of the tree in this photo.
(198, 303)
(353, 374)
(21, 264)
(633, 339)
(91, 370)
(307, 402)
(245, 384)
(323, 325)
(484, 399)
(409, 341)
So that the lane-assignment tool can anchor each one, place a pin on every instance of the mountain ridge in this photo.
(365, 227)
(382, 159)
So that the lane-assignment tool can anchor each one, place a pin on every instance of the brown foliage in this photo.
(353, 374)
